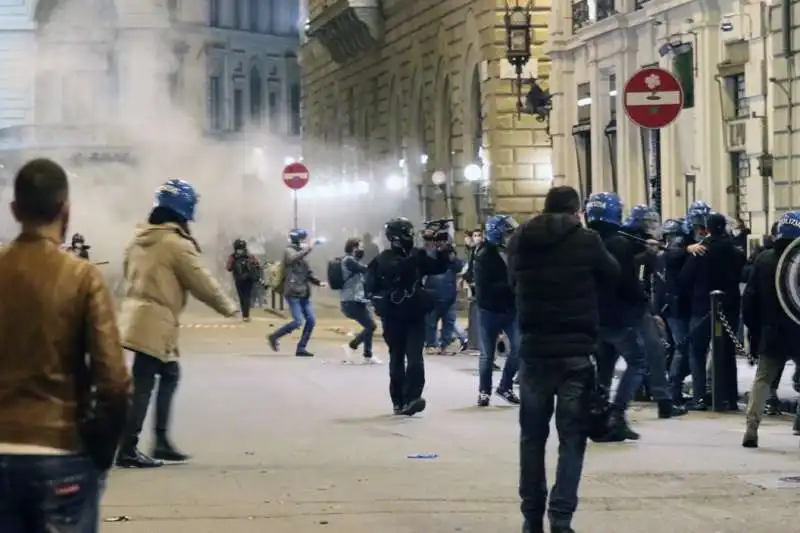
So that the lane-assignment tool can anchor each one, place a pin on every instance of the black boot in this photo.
(533, 527)
(668, 409)
(129, 456)
(619, 426)
(163, 449)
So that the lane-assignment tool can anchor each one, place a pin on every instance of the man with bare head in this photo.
(64, 386)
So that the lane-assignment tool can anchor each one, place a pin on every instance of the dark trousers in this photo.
(405, 338)
(49, 494)
(473, 327)
(700, 331)
(244, 289)
(145, 370)
(547, 386)
(359, 312)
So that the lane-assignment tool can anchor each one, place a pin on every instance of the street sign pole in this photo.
(294, 202)
(295, 177)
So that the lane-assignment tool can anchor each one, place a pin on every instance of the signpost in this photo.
(295, 176)
(653, 98)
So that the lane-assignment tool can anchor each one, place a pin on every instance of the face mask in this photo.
(359, 254)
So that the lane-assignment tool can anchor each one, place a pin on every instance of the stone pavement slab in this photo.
(287, 445)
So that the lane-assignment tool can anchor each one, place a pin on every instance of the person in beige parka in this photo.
(162, 267)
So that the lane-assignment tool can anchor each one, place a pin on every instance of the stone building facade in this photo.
(420, 89)
(723, 55)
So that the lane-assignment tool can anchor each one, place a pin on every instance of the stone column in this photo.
(598, 118)
(711, 185)
(629, 152)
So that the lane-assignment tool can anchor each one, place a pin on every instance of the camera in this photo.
(437, 230)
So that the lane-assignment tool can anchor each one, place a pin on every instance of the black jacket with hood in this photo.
(772, 332)
(490, 274)
(556, 267)
(622, 305)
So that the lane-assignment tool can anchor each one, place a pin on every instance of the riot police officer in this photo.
(394, 284)
(716, 266)
(669, 263)
(622, 308)
(778, 335)
(643, 223)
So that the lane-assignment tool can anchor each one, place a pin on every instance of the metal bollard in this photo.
(717, 353)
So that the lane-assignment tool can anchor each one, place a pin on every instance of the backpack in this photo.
(244, 269)
(275, 276)
(336, 278)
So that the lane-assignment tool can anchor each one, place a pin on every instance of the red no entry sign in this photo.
(653, 98)
(295, 176)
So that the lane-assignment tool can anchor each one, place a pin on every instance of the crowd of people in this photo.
(569, 291)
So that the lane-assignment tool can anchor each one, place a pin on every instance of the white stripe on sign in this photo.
(645, 99)
(301, 176)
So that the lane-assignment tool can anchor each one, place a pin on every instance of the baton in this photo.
(641, 240)
(101, 262)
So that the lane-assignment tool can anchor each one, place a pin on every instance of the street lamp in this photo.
(473, 173)
(395, 183)
(538, 101)
(518, 42)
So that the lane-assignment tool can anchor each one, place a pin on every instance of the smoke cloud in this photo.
(108, 93)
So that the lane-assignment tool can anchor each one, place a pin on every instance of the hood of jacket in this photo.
(148, 235)
(549, 229)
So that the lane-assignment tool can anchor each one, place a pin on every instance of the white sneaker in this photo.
(349, 355)
(371, 360)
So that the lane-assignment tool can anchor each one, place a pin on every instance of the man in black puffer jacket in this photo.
(555, 267)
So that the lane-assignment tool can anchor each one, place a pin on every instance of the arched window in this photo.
(256, 96)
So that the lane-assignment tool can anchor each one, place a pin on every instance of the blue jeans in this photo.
(49, 494)
(444, 311)
(359, 312)
(626, 343)
(569, 381)
(491, 326)
(302, 312)
(700, 331)
(656, 358)
(679, 369)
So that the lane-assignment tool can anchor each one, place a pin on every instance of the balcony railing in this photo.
(580, 15)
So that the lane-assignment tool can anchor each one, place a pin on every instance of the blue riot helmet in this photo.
(297, 235)
(498, 228)
(789, 226)
(697, 219)
(179, 197)
(604, 207)
(673, 231)
(672, 226)
(644, 219)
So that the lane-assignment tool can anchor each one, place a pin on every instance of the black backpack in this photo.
(336, 274)
(243, 269)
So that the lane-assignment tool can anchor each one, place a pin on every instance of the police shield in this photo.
(787, 280)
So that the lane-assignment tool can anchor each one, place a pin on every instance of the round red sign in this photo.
(653, 98)
(295, 176)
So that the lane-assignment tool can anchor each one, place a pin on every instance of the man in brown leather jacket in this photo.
(64, 386)
(162, 266)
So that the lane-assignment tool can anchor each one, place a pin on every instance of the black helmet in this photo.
(77, 237)
(399, 231)
(239, 244)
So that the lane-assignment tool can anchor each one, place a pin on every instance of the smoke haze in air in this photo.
(239, 181)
